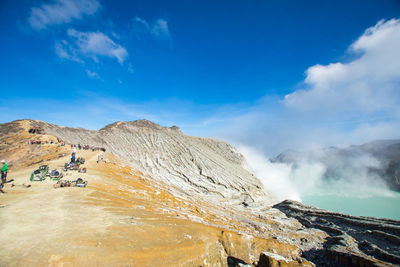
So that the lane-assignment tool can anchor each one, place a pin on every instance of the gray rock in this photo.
(191, 165)
(352, 240)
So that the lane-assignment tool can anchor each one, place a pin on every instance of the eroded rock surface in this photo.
(360, 241)
(201, 166)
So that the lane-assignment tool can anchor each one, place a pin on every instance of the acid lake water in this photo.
(375, 206)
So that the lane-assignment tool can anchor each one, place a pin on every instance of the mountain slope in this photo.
(193, 165)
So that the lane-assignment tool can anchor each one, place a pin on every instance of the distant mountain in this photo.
(378, 159)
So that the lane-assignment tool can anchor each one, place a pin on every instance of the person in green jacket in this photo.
(4, 171)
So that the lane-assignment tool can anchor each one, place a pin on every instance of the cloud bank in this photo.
(366, 85)
(338, 104)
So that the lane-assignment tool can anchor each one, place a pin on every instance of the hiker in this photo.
(73, 157)
(4, 171)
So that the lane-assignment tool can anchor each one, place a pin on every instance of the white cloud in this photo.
(90, 44)
(143, 23)
(65, 51)
(130, 68)
(365, 85)
(93, 74)
(158, 29)
(61, 11)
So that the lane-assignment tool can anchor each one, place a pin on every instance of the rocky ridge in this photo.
(193, 165)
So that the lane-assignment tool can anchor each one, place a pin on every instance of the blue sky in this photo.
(256, 72)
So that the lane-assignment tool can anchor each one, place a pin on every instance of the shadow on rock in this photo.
(352, 241)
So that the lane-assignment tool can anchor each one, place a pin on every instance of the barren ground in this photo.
(121, 218)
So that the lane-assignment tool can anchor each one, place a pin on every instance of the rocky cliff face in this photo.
(352, 241)
(193, 165)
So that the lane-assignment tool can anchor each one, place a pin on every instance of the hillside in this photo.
(200, 166)
(158, 198)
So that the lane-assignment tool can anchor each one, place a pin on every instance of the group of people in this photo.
(86, 147)
(39, 142)
(79, 146)
(4, 170)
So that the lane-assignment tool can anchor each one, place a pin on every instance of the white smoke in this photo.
(307, 175)
(274, 176)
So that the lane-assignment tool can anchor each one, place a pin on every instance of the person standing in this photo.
(4, 171)
(73, 157)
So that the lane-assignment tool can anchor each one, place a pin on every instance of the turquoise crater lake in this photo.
(375, 206)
